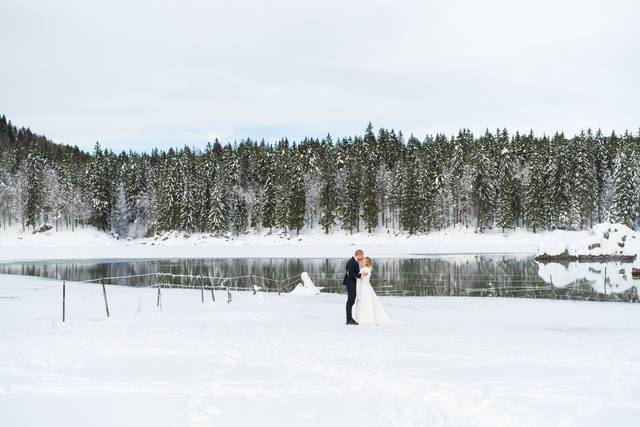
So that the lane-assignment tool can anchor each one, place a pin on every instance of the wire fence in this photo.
(408, 285)
(499, 285)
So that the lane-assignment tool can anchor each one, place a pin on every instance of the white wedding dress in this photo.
(369, 310)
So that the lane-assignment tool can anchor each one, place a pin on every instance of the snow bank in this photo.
(602, 239)
(306, 287)
(270, 360)
(89, 243)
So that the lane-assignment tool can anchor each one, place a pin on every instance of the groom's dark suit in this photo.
(353, 273)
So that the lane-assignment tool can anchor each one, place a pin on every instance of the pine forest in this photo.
(381, 181)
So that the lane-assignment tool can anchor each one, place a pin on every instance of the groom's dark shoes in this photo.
(351, 322)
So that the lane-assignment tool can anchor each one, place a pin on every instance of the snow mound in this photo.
(306, 287)
(602, 239)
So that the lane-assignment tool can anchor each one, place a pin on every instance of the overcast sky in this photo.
(138, 74)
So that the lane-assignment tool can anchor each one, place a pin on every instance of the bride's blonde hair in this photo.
(367, 262)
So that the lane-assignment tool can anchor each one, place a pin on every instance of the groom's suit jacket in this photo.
(353, 272)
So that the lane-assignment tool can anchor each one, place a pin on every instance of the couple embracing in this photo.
(369, 310)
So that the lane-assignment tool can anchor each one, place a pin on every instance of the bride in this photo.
(369, 310)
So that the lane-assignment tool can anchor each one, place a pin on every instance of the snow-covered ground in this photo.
(289, 360)
(90, 243)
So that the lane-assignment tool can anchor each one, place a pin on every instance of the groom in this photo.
(350, 277)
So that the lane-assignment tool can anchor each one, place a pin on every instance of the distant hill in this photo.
(14, 137)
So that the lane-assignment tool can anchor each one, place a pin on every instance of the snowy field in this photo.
(86, 243)
(269, 360)
(89, 243)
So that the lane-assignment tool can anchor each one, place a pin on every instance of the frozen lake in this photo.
(467, 275)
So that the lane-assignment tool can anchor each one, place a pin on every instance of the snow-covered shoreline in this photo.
(90, 243)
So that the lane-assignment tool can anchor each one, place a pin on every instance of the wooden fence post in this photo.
(64, 300)
(106, 304)
(228, 295)
(213, 297)
(201, 288)
(158, 303)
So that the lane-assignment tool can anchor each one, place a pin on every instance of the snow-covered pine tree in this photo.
(625, 184)
(428, 166)
(535, 193)
(411, 208)
(162, 197)
(634, 155)
(311, 155)
(187, 207)
(585, 183)
(297, 194)
(219, 195)
(601, 165)
(371, 159)
(99, 180)
(282, 185)
(268, 204)
(239, 213)
(34, 188)
(350, 198)
(456, 168)
(396, 145)
(483, 184)
(71, 190)
(369, 200)
(558, 190)
(409, 202)
(441, 194)
(328, 191)
(121, 212)
(507, 206)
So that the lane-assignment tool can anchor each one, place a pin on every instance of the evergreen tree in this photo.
(240, 214)
(121, 213)
(219, 194)
(535, 200)
(434, 180)
(602, 171)
(100, 183)
(369, 201)
(411, 207)
(34, 189)
(268, 204)
(282, 183)
(165, 197)
(457, 166)
(187, 208)
(585, 184)
(297, 198)
(507, 211)
(558, 191)
(625, 184)
(351, 196)
(483, 187)
(410, 202)
(328, 192)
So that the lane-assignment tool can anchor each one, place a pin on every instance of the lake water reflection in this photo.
(472, 275)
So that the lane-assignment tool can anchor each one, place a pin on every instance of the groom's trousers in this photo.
(351, 299)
